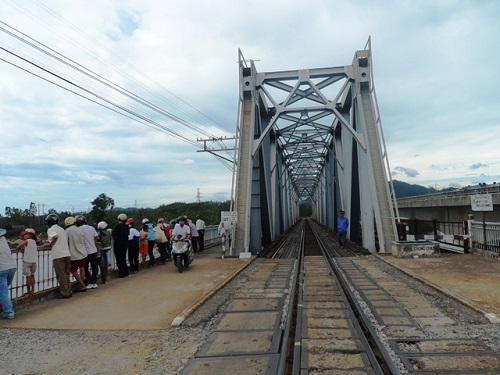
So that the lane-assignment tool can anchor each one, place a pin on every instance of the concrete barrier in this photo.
(415, 249)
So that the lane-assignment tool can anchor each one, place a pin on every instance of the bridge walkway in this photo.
(148, 300)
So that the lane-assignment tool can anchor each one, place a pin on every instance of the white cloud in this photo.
(434, 68)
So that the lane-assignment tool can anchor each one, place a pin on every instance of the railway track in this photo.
(308, 307)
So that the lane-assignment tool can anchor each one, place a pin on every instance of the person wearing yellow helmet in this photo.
(78, 260)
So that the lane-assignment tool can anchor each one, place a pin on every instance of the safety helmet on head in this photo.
(102, 225)
(145, 220)
(29, 231)
(80, 220)
(51, 219)
(130, 221)
(173, 221)
(161, 220)
(122, 217)
(70, 220)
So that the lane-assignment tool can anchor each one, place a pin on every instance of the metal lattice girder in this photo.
(311, 135)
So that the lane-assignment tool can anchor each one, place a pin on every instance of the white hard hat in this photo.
(102, 225)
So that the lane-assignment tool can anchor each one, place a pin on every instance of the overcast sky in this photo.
(435, 70)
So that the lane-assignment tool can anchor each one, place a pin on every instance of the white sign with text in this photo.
(481, 202)
(228, 217)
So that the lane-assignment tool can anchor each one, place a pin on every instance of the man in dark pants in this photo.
(120, 236)
(200, 227)
(342, 225)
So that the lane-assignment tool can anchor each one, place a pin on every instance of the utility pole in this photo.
(221, 146)
(198, 196)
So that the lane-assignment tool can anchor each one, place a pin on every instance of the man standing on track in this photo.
(342, 225)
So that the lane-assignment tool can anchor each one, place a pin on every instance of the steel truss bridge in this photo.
(311, 136)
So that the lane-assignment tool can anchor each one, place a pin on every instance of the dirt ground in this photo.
(468, 277)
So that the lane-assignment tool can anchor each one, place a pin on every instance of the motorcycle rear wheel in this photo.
(180, 264)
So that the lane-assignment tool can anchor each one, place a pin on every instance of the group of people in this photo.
(82, 251)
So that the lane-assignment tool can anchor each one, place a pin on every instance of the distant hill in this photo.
(404, 189)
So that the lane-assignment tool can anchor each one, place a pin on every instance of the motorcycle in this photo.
(182, 252)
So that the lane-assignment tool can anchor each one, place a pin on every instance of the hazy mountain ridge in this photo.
(404, 189)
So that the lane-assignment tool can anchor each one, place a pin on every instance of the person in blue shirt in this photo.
(151, 241)
(342, 225)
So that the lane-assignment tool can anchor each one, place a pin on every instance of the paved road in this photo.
(148, 300)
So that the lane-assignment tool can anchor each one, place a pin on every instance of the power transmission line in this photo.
(47, 51)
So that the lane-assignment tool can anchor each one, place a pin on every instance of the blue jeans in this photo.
(104, 256)
(6, 277)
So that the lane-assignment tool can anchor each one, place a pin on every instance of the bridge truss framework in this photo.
(311, 136)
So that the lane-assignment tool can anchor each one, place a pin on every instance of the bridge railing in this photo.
(45, 277)
(477, 236)
(486, 236)
(446, 232)
(465, 191)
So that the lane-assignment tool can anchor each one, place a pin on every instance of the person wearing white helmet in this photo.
(7, 272)
(30, 258)
(106, 244)
(90, 237)
(120, 236)
(161, 240)
(151, 241)
(133, 246)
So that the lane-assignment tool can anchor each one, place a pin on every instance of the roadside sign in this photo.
(229, 218)
(481, 202)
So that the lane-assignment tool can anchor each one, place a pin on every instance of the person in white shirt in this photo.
(30, 258)
(200, 227)
(181, 228)
(59, 249)
(90, 236)
(133, 246)
(78, 260)
(223, 235)
(194, 235)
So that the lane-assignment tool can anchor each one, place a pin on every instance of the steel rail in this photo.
(356, 307)
(290, 312)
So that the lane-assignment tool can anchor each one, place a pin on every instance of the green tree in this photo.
(100, 206)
